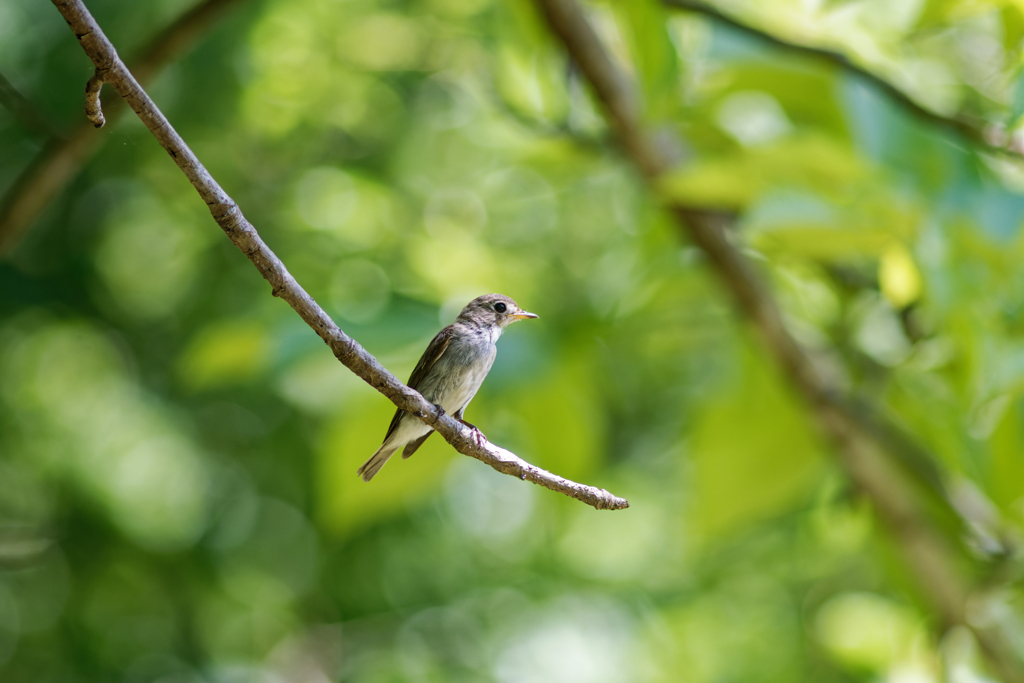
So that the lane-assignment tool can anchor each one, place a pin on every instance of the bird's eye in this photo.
(500, 308)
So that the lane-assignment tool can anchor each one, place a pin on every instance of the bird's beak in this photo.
(525, 314)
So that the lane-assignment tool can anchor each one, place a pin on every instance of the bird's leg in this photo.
(478, 436)
(440, 411)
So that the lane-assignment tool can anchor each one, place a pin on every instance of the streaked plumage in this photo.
(450, 372)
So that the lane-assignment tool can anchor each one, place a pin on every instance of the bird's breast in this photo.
(458, 374)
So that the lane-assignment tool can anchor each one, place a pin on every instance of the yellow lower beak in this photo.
(525, 314)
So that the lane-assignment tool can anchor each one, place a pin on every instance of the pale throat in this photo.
(495, 333)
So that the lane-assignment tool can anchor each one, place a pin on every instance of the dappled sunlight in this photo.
(179, 500)
(869, 632)
(575, 639)
(91, 423)
(147, 265)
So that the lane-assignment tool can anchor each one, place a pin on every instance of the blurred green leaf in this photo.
(178, 450)
(642, 23)
(1006, 469)
(225, 353)
(737, 180)
(754, 455)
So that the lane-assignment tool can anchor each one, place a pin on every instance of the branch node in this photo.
(93, 108)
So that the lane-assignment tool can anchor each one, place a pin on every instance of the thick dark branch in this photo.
(984, 134)
(867, 454)
(61, 157)
(615, 91)
(245, 237)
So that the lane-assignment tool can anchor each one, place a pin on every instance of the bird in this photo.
(450, 372)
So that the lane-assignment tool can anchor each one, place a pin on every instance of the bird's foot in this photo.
(478, 436)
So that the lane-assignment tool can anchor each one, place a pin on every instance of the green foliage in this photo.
(749, 474)
(178, 498)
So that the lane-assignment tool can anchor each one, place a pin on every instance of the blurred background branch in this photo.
(865, 454)
(177, 450)
(62, 156)
(983, 134)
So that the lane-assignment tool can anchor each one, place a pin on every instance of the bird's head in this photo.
(493, 310)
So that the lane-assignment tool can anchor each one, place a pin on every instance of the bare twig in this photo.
(244, 236)
(867, 454)
(986, 135)
(60, 158)
(93, 106)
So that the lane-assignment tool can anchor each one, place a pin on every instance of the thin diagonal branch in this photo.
(60, 158)
(244, 236)
(866, 454)
(984, 134)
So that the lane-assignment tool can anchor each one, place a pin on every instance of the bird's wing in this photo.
(411, 447)
(438, 345)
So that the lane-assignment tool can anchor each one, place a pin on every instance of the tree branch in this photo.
(868, 455)
(244, 236)
(984, 134)
(60, 158)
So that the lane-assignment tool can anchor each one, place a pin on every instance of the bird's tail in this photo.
(376, 461)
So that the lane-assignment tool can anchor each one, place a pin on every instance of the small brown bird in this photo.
(450, 372)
